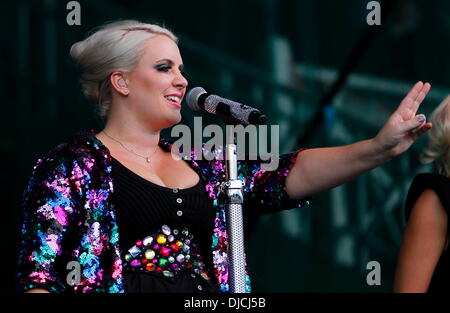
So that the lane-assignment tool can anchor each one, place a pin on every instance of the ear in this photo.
(119, 83)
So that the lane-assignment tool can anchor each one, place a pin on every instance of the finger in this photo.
(422, 94)
(414, 91)
(422, 130)
(413, 124)
(411, 96)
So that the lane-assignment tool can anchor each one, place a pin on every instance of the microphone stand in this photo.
(233, 196)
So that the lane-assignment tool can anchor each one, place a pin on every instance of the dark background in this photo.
(315, 67)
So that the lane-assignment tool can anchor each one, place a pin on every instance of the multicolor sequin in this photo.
(167, 253)
(68, 215)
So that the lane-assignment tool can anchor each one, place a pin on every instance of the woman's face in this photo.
(157, 85)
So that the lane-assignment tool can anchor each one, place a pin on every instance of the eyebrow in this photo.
(170, 62)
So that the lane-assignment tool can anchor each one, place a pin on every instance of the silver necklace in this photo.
(146, 158)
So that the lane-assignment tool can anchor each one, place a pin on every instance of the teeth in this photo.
(173, 98)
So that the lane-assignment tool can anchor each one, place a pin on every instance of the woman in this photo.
(423, 263)
(165, 210)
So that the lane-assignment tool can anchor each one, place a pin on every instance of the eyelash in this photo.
(166, 68)
(163, 68)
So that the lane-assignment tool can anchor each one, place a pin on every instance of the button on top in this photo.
(199, 287)
(180, 213)
(175, 190)
(179, 200)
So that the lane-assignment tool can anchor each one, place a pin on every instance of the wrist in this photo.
(382, 152)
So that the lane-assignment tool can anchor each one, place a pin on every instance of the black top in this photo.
(441, 185)
(143, 207)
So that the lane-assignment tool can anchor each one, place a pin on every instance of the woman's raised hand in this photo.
(403, 127)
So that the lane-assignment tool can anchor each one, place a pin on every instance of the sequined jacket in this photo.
(69, 222)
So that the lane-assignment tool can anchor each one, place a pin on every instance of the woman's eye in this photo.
(163, 68)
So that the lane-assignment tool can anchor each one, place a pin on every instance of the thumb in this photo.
(417, 121)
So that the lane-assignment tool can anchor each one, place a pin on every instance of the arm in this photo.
(423, 242)
(37, 290)
(48, 209)
(323, 168)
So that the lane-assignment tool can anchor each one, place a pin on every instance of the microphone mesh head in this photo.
(192, 98)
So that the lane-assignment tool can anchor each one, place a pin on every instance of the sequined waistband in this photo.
(167, 252)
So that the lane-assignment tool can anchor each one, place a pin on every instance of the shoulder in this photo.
(428, 190)
(427, 202)
(430, 179)
(81, 152)
(82, 144)
(428, 217)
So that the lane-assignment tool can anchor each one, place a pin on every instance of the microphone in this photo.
(229, 111)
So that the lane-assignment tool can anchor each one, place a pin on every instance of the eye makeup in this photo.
(166, 65)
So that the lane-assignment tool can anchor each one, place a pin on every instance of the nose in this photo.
(180, 81)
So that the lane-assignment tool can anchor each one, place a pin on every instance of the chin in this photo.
(173, 120)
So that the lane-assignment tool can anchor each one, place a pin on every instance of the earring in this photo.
(126, 91)
(122, 83)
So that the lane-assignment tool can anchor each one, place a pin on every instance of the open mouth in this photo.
(174, 100)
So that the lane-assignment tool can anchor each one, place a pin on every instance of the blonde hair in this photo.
(438, 149)
(113, 47)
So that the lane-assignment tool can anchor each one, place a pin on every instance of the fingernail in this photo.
(421, 118)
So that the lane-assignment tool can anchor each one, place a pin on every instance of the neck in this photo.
(131, 132)
(134, 136)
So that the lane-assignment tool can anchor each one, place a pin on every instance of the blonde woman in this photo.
(424, 264)
(112, 211)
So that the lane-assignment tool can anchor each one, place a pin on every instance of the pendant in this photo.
(147, 160)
